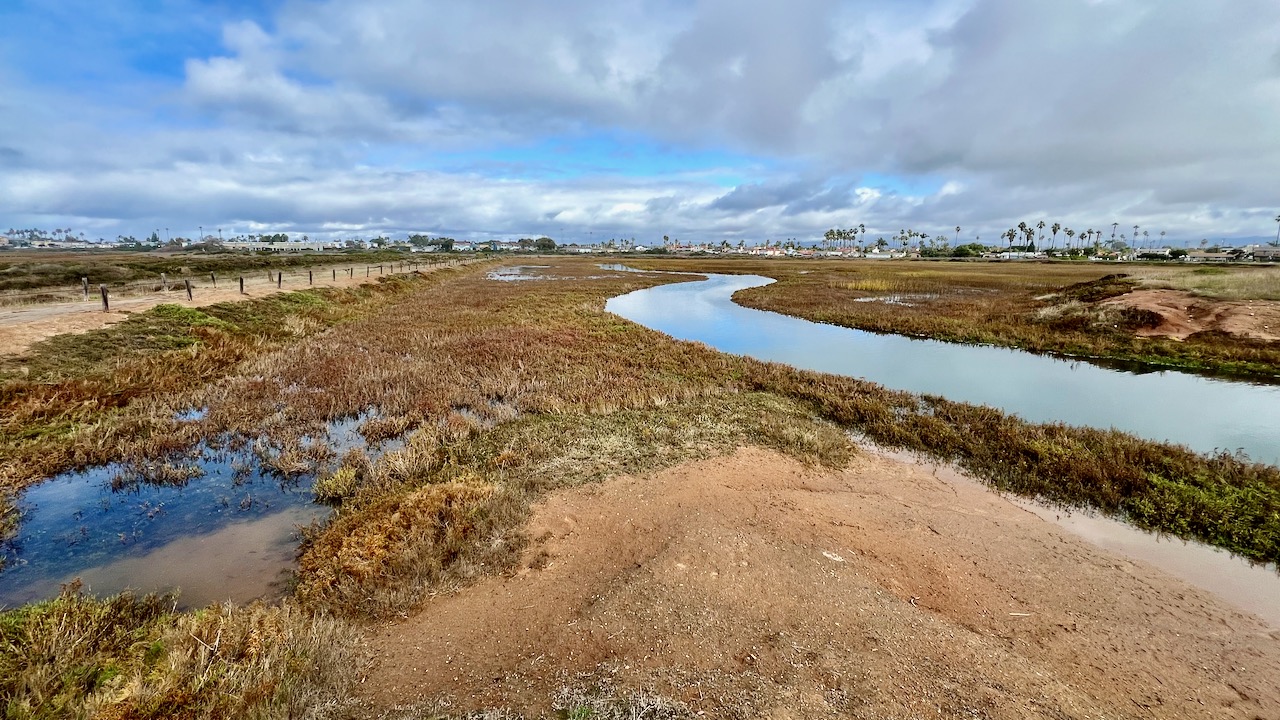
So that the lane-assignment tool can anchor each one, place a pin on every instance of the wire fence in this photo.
(188, 284)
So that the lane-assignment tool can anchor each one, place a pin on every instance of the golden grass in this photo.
(134, 658)
(1223, 283)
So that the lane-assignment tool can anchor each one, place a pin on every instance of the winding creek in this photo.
(1202, 413)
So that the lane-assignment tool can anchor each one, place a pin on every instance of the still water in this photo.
(229, 532)
(1202, 413)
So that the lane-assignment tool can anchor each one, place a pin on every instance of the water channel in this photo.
(1205, 414)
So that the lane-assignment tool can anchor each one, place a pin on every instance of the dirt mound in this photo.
(749, 586)
(1183, 314)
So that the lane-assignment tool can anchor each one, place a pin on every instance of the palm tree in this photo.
(1056, 227)
(1135, 234)
(1113, 231)
(1162, 238)
(1070, 234)
(1278, 230)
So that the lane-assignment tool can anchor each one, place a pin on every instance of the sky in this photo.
(702, 120)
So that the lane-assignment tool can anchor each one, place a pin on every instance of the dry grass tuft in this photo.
(130, 657)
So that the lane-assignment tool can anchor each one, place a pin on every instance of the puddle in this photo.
(192, 415)
(224, 528)
(517, 273)
(1251, 587)
(905, 300)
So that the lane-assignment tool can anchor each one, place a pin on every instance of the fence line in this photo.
(295, 278)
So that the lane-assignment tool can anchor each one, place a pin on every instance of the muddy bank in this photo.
(751, 586)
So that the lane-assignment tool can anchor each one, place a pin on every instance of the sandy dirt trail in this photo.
(751, 586)
(22, 326)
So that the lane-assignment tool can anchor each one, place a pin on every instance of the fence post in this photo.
(188, 281)
(106, 306)
(241, 284)
(366, 271)
(311, 277)
(85, 282)
(379, 269)
(213, 279)
(164, 282)
(335, 274)
(279, 279)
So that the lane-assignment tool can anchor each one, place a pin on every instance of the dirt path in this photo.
(22, 326)
(749, 586)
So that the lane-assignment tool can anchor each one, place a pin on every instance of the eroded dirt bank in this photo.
(1183, 314)
(751, 586)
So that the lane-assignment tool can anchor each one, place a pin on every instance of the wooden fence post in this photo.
(311, 277)
(279, 279)
(188, 281)
(106, 306)
(241, 284)
(213, 279)
(85, 282)
(164, 282)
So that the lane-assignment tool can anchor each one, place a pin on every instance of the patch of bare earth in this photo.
(750, 586)
(1184, 314)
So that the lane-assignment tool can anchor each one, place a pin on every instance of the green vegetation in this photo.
(501, 392)
(1054, 308)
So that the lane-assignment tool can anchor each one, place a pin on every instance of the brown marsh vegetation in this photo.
(500, 393)
(1042, 307)
(37, 274)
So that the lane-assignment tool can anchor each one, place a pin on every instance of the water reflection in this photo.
(222, 529)
(1204, 414)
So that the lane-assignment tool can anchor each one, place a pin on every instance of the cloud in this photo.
(697, 118)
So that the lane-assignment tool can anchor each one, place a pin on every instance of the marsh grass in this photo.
(497, 393)
(1260, 282)
(132, 657)
(28, 271)
(114, 393)
(1051, 308)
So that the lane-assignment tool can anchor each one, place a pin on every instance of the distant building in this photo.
(1266, 253)
(1204, 256)
(289, 246)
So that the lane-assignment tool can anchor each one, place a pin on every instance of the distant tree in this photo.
(1056, 227)
(1277, 242)
(957, 235)
(544, 244)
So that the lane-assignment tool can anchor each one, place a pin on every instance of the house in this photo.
(1205, 256)
(1266, 253)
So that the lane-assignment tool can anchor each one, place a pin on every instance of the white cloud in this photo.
(334, 114)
